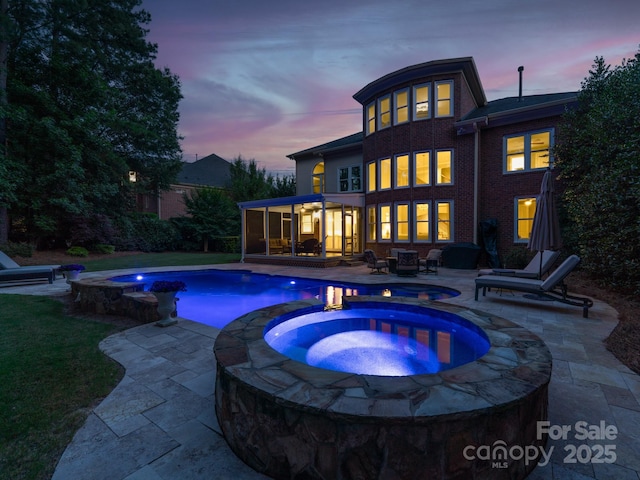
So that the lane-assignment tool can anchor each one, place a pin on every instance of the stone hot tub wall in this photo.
(287, 419)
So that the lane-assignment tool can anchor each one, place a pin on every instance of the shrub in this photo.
(87, 231)
(147, 233)
(225, 244)
(517, 258)
(14, 249)
(102, 248)
(78, 252)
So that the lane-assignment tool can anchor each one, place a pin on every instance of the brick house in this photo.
(434, 160)
(209, 171)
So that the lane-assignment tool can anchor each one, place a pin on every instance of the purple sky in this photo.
(266, 78)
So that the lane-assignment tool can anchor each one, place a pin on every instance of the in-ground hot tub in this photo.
(286, 418)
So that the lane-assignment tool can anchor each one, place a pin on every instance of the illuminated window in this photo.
(372, 225)
(421, 214)
(133, 176)
(349, 179)
(444, 99)
(385, 222)
(444, 225)
(444, 167)
(385, 173)
(421, 168)
(402, 222)
(307, 223)
(402, 171)
(529, 151)
(371, 118)
(318, 178)
(384, 112)
(371, 177)
(421, 101)
(525, 210)
(401, 103)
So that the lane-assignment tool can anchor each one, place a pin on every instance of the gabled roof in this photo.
(212, 171)
(516, 109)
(465, 65)
(343, 143)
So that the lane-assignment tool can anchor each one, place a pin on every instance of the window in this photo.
(444, 167)
(371, 177)
(371, 118)
(525, 210)
(349, 179)
(528, 152)
(307, 223)
(444, 225)
(402, 171)
(401, 102)
(372, 226)
(421, 101)
(402, 222)
(384, 112)
(421, 168)
(421, 213)
(444, 99)
(317, 178)
(385, 174)
(385, 222)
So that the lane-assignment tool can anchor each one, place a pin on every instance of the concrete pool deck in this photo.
(160, 423)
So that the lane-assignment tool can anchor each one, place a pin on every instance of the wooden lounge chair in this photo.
(535, 268)
(10, 271)
(552, 288)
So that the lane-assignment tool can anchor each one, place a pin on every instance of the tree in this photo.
(247, 181)
(213, 214)
(598, 155)
(85, 107)
(283, 186)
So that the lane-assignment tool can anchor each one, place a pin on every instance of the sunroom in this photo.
(303, 229)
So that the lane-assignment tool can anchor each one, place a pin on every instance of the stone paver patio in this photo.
(160, 423)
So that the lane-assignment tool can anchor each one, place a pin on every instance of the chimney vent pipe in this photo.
(520, 69)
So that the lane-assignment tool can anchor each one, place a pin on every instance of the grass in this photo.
(51, 370)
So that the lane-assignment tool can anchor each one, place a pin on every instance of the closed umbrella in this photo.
(545, 233)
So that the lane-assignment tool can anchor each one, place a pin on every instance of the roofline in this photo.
(465, 65)
(320, 150)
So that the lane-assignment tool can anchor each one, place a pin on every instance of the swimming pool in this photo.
(216, 297)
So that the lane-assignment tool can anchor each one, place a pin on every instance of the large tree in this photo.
(598, 154)
(86, 106)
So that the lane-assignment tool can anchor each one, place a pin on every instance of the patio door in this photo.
(334, 231)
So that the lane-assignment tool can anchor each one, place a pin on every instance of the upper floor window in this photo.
(444, 98)
(401, 105)
(385, 174)
(402, 171)
(444, 222)
(371, 118)
(528, 151)
(349, 179)
(444, 167)
(524, 212)
(384, 112)
(421, 94)
(371, 177)
(421, 161)
(317, 178)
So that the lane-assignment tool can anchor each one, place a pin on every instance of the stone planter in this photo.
(72, 275)
(166, 306)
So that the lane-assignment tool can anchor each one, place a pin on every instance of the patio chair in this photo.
(310, 245)
(373, 263)
(408, 265)
(431, 262)
(553, 288)
(10, 271)
(532, 270)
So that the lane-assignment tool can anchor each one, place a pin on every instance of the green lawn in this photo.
(52, 372)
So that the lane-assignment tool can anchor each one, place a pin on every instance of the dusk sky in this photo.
(267, 78)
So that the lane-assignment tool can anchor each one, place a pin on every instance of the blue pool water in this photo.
(377, 338)
(216, 297)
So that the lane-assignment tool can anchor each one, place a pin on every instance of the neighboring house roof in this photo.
(350, 141)
(212, 171)
(516, 109)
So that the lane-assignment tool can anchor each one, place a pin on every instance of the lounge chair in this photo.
(552, 288)
(408, 264)
(10, 271)
(532, 270)
(373, 263)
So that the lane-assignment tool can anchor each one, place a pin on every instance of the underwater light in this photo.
(292, 282)
(139, 277)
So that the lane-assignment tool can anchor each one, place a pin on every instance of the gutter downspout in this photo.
(476, 175)
(243, 223)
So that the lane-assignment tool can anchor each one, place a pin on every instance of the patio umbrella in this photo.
(545, 233)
